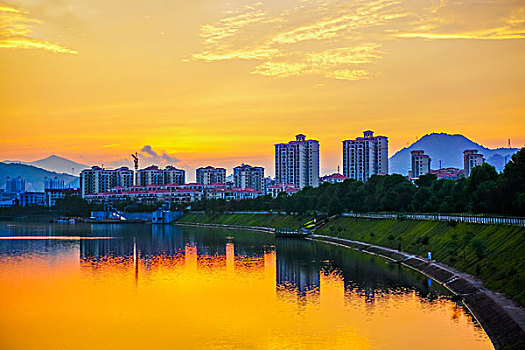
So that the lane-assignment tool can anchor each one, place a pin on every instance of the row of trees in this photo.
(485, 191)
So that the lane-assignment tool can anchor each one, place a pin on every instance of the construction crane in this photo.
(136, 162)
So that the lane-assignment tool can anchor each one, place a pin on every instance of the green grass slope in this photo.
(494, 253)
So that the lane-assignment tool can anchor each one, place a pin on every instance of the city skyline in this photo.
(207, 72)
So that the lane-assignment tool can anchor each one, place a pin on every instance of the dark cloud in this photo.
(148, 152)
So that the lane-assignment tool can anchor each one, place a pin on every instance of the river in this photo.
(131, 286)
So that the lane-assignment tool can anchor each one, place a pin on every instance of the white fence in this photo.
(444, 217)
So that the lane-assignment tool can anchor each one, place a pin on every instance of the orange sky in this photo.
(215, 82)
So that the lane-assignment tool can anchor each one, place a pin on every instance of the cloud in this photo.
(16, 29)
(152, 156)
(341, 63)
(336, 26)
(474, 20)
(342, 40)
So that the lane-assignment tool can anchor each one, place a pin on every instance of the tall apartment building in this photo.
(53, 183)
(420, 164)
(210, 175)
(297, 162)
(175, 176)
(471, 158)
(365, 156)
(151, 175)
(97, 180)
(249, 177)
(15, 185)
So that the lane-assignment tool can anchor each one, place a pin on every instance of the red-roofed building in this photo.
(274, 190)
(334, 178)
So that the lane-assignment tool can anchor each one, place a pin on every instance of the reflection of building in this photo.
(294, 270)
(365, 156)
(471, 158)
(297, 162)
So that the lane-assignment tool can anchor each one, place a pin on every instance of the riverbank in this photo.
(491, 252)
(466, 247)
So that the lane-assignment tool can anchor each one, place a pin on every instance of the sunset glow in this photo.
(214, 82)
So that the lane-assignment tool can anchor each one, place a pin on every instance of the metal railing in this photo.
(443, 217)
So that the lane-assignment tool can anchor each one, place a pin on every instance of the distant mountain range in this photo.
(439, 146)
(449, 150)
(33, 176)
(54, 163)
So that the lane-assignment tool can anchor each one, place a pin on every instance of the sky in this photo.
(207, 82)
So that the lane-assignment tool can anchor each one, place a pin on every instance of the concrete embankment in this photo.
(505, 327)
(234, 227)
(501, 318)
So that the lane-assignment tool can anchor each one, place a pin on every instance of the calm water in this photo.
(141, 286)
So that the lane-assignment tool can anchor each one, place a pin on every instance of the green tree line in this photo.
(485, 191)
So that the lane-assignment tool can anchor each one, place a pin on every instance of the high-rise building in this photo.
(15, 185)
(297, 162)
(365, 156)
(210, 175)
(53, 183)
(471, 158)
(420, 164)
(249, 177)
(175, 176)
(151, 175)
(98, 180)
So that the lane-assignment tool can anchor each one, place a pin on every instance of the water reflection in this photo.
(220, 284)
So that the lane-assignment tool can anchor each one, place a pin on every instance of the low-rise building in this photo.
(25, 199)
(333, 178)
(448, 173)
(233, 194)
(52, 195)
(274, 190)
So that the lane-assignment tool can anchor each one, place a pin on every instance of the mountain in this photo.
(33, 176)
(449, 150)
(55, 164)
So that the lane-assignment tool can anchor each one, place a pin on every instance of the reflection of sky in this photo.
(156, 269)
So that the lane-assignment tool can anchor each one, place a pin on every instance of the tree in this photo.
(73, 206)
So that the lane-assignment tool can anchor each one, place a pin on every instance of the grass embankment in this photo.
(494, 253)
